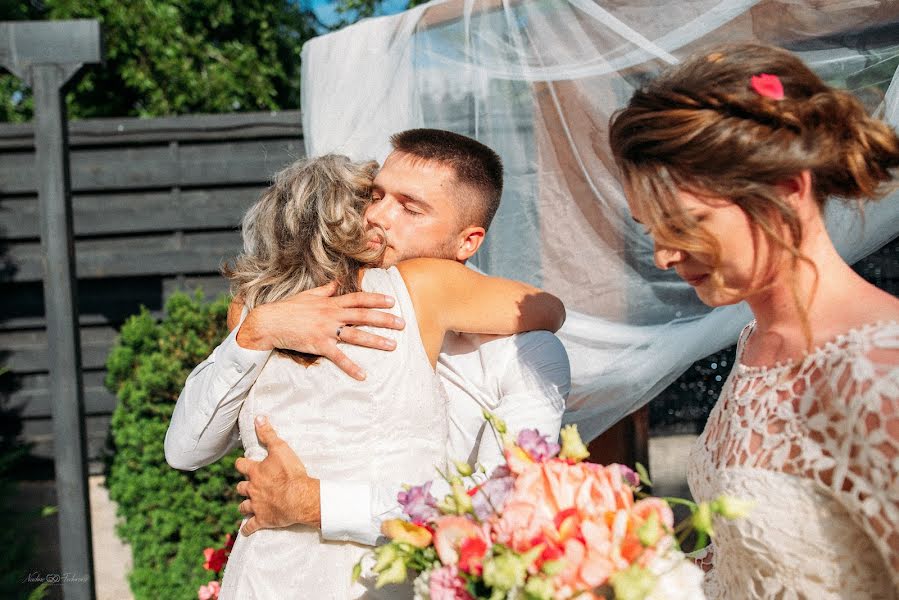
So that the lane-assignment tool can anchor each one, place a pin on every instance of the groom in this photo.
(435, 196)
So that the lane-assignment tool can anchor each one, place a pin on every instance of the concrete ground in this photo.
(112, 558)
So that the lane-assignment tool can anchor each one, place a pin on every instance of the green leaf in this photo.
(644, 475)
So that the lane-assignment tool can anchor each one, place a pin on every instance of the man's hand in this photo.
(308, 322)
(279, 491)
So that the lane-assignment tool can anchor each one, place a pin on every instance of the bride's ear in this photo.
(799, 192)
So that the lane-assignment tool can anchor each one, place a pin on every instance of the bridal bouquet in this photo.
(544, 526)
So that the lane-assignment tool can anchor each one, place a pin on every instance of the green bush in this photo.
(169, 516)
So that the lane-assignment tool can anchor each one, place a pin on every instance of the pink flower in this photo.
(210, 591)
(581, 509)
(445, 584)
(768, 86)
(451, 533)
(632, 548)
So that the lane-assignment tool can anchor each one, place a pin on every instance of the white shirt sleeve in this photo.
(533, 389)
(204, 424)
(352, 511)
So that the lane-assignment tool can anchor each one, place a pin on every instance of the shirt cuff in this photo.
(236, 360)
(346, 512)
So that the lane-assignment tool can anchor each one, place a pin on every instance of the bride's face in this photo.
(413, 204)
(745, 258)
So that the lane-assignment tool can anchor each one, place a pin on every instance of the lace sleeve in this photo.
(869, 483)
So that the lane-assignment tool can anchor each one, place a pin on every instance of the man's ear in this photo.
(470, 239)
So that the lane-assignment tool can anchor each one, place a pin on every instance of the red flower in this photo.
(229, 542)
(215, 559)
(471, 554)
(768, 86)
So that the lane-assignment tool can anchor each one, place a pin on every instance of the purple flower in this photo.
(491, 495)
(419, 504)
(537, 446)
(629, 476)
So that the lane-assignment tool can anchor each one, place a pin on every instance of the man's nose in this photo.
(376, 214)
(666, 257)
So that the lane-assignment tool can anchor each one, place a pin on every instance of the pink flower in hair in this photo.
(768, 86)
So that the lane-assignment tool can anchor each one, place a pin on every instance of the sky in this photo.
(327, 14)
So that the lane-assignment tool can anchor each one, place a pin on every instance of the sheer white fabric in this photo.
(537, 80)
(815, 444)
(392, 426)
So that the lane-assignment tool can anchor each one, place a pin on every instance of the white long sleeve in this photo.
(523, 379)
(204, 424)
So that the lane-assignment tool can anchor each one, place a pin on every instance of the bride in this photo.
(306, 231)
(728, 161)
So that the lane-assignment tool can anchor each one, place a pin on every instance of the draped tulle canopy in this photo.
(537, 80)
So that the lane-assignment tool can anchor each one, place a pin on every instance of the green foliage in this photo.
(170, 516)
(18, 549)
(170, 57)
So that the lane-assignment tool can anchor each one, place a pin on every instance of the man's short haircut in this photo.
(476, 166)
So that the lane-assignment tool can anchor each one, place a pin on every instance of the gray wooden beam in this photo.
(46, 55)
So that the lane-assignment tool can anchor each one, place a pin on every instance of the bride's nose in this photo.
(666, 257)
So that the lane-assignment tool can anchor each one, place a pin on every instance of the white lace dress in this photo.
(816, 445)
(392, 425)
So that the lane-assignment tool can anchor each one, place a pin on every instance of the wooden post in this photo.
(46, 55)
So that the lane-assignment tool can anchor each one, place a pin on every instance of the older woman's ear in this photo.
(234, 311)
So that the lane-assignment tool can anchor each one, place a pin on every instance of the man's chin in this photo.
(389, 259)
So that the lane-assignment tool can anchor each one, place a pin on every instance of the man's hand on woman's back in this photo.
(309, 321)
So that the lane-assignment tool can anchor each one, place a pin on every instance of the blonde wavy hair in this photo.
(306, 230)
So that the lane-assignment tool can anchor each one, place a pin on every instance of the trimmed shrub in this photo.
(168, 516)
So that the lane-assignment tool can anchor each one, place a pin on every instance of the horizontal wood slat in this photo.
(146, 167)
(121, 131)
(168, 254)
(31, 399)
(136, 212)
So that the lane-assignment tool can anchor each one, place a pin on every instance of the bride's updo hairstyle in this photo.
(709, 128)
(306, 230)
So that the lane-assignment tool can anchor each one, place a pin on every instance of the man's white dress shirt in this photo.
(523, 379)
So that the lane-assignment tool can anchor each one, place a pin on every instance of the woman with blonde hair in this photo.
(728, 160)
(308, 230)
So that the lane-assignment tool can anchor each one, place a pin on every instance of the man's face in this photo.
(413, 202)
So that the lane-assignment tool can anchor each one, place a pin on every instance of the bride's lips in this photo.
(695, 280)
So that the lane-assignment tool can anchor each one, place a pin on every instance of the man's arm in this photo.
(281, 493)
(534, 386)
(203, 426)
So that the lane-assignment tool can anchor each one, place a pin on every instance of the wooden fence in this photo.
(156, 206)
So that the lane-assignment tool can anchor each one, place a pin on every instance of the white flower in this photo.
(678, 578)
(421, 587)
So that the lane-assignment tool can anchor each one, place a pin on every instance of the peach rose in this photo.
(450, 532)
